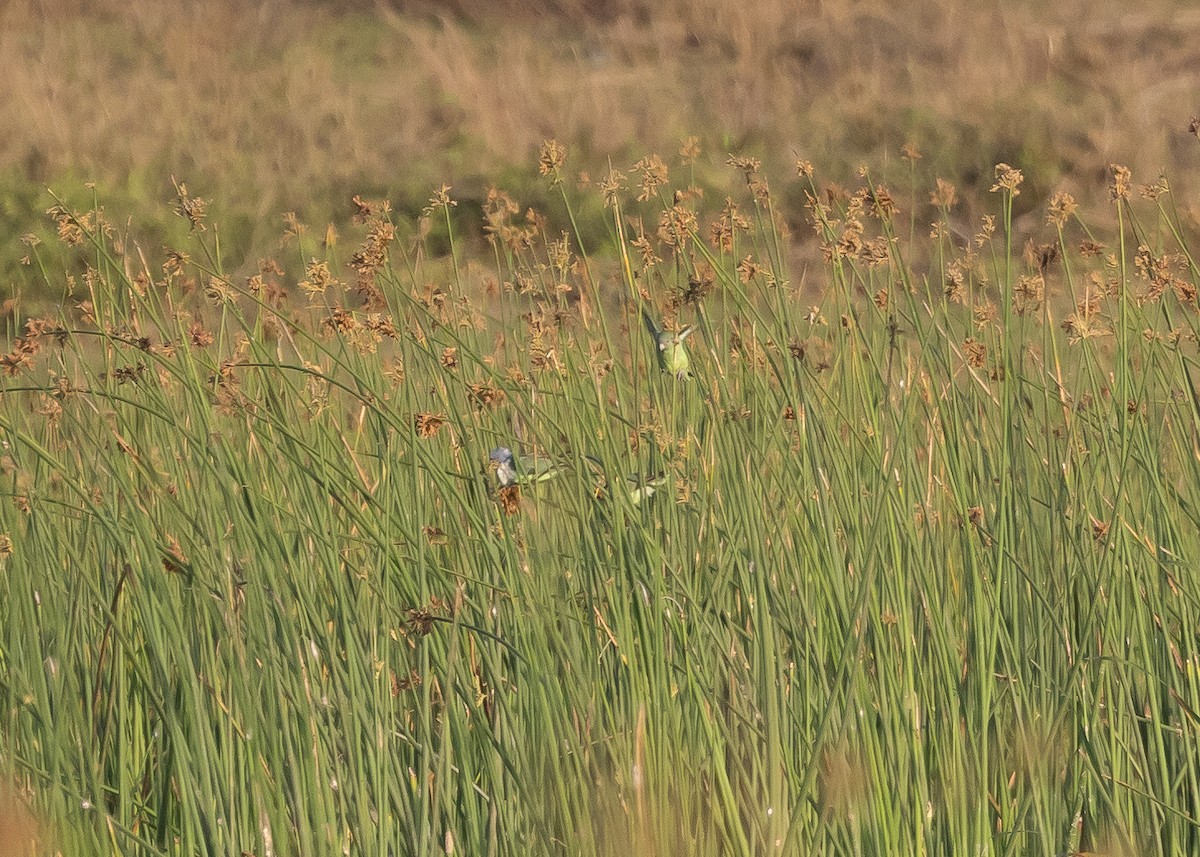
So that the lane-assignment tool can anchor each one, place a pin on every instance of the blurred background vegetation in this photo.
(289, 106)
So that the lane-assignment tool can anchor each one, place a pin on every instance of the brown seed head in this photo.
(428, 424)
(748, 269)
(654, 175)
(318, 278)
(1154, 191)
(675, 225)
(1062, 206)
(1028, 293)
(440, 199)
(510, 499)
(975, 352)
(1122, 179)
(611, 186)
(882, 205)
(689, 153)
(551, 159)
(646, 250)
(193, 208)
(174, 263)
(1008, 179)
(485, 395)
(945, 195)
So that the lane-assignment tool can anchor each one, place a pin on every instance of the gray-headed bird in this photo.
(522, 470)
(672, 355)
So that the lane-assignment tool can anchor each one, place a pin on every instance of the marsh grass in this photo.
(921, 580)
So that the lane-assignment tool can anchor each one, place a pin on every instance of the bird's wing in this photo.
(538, 467)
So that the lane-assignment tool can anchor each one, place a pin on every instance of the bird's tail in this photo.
(649, 322)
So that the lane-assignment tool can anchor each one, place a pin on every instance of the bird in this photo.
(643, 487)
(522, 470)
(639, 486)
(672, 355)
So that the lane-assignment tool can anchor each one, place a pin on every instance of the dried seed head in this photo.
(510, 499)
(199, 336)
(975, 352)
(882, 205)
(611, 186)
(945, 195)
(1154, 191)
(72, 226)
(193, 208)
(551, 159)
(646, 250)
(175, 561)
(751, 170)
(675, 225)
(441, 199)
(318, 279)
(699, 285)
(485, 395)
(428, 424)
(1028, 293)
(654, 175)
(1008, 179)
(174, 263)
(1122, 178)
(1062, 206)
(689, 153)
(876, 252)
(220, 291)
(987, 228)
(366, 210)
(748, 269)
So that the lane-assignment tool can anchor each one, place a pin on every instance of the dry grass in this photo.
(288, 105)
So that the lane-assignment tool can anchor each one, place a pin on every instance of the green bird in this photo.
(672, 355)
(523, 470)
(640, 487)
(643, 487)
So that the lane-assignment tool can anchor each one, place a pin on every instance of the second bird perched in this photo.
(672, 354)
(640, 486)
